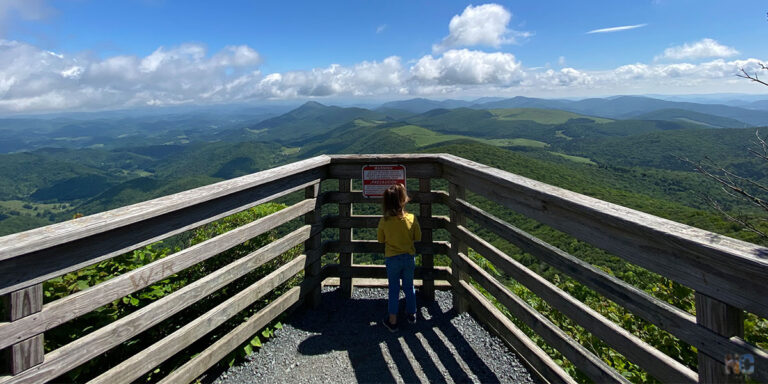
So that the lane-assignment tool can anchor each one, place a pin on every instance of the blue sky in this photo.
(88, 54)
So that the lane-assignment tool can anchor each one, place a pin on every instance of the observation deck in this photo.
(728, 276)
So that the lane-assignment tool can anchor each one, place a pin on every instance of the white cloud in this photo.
(702, 49)
(381, 28)
(566, 77)
(32, 79)
(561, 61)
(465, 67)
(617, 29)
(483, 25)
(36, 80)
(363, 79)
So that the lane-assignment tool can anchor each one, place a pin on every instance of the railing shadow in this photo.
(432, 350)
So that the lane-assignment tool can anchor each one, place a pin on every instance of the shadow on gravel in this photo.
(432, 349)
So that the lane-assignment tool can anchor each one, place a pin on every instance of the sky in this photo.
(82, 55)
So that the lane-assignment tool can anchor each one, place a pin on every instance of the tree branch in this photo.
(752, 77)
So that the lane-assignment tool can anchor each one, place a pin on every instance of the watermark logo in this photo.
(736, 364)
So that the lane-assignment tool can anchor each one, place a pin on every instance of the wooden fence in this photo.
(727, 275)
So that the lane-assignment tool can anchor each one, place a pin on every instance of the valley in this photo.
(158, 155)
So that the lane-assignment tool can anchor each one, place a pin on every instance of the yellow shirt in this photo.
(398, 234)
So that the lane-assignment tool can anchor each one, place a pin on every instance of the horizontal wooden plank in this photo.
(372, 221)
(52, 235)
(730, 270)
(244, 332)
(536, 360)
(38, 266)
(87, 347)
(372, 246)
(576, 353)
(655, 362)
(337, 197)
(80, 303)
(412, 169)
(144, 361)
(658, 312)
(380, 271)
(394, 158)
(443, 285)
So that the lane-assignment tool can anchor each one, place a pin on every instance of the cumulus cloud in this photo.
(32, 79)
(363, 79)
(702, 49)
(566, 77)
(36, 80)
(467, 67)
(483, 25)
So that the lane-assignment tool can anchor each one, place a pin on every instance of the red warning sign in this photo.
(377, 178)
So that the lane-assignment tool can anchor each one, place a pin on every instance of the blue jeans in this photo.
(401, 267)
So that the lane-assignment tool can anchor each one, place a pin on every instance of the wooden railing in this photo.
(727, 275)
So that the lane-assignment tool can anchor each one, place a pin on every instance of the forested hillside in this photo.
(639, 156)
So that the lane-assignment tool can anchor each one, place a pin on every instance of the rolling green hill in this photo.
(542, 116)
(710, 121)
(424, 137)
(309, 120)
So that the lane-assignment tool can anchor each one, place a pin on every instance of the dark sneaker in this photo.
(385, 322)
(411, 318)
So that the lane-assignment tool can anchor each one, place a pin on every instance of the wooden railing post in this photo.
(725, 320)
(345, 236)
(313, 246)
(427, 259)
(456, 191)
(19, 304)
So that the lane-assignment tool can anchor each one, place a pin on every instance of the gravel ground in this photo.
(344, 342)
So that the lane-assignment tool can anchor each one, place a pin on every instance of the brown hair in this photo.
(395, 198)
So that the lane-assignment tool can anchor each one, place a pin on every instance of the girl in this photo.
(398, 230)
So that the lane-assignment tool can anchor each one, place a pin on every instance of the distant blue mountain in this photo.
(623, 107)
(421, 105)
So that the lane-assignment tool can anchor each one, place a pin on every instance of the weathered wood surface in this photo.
(144, 361)
(109, 240)
(655, 362)
(355, 171)
(457, 246)
(536, 360)
(89, 346)
(427, 259)
(244, 332)
(442, 285)
(730, 270)
(345, 235)
(313, 246)
(357, 197)
(724, 320)
(372, 246)
(579, 355)
(25, 352)
(381, 158)
(666, 316)
(380, 272)
(372, 221)
(80, 303)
